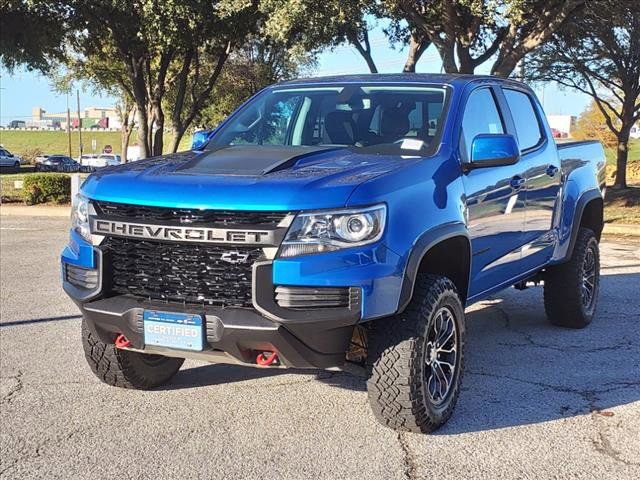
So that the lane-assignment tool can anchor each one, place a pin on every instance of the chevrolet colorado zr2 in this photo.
(342, 222)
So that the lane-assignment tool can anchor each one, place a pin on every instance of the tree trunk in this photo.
(159, 129)
(417, 47)
(143, 130)
(364, 51)
(126, 135)
(178, 133)
(506, 65)
(139, 91)
(622, 155)
(467, 65)
(447, 54)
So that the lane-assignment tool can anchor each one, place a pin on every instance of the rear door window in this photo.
(481, 115)
(524, 117)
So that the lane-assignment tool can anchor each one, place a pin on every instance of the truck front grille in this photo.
(187, 216)
(183, 273)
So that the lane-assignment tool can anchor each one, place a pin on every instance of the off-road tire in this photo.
(126, 369)
(397, 360)
(563, 285)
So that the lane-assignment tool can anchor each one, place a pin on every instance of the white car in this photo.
(8, 159)
(99, 161)
(109, 159)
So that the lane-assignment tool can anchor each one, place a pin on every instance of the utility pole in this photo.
(79, 121)
(69, 125)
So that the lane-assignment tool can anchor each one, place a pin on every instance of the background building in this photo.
(91, 117)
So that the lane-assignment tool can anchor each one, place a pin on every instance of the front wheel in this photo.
(417, 358)
(123, 368)
(571, 289)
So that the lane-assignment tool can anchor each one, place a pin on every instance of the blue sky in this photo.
(22, 90)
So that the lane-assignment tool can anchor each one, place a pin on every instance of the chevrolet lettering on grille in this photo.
(182, 233)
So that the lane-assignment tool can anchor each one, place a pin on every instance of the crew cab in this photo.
(340, 222)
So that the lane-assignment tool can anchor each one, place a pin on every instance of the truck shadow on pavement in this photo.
(520, 369)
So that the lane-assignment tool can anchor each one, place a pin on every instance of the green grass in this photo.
(26, 142)
(634, 152)
(55, 142)
(622, 206)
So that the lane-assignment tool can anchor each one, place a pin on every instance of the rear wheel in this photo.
(417, 359)
(571, 289)
(123, 368)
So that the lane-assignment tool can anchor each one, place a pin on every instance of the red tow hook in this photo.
(265, 359)
(122, 341)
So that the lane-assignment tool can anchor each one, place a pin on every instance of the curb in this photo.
(35, 211)
(621, 229)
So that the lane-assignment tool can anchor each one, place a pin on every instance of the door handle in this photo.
(552, 170)
(517, 182)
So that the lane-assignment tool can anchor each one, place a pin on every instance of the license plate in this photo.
(173, 330)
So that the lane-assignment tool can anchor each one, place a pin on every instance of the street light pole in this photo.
(79, 121)
(69, 124)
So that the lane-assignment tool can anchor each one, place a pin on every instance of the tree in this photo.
(143, 46)
(31, 34)
(261, 62)
(592, 124)
(126, 111)
(316, 24)
(598, 53)
(468, 33)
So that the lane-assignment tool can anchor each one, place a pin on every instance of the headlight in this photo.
(325, 231)
(80, 216)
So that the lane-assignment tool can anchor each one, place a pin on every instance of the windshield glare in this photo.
(374, 117)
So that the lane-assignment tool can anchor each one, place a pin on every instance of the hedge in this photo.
(46, 187)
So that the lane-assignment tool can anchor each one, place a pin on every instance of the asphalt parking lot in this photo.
(537, 401)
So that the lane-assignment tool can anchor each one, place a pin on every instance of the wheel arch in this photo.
(445, 251)
(589, 213)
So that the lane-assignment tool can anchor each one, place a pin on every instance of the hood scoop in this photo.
(247, 160)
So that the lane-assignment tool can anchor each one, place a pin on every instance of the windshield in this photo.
(375, 117)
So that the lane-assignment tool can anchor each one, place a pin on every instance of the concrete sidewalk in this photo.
(17, 210)
(621, 229)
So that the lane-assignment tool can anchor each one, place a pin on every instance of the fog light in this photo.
(80, 277)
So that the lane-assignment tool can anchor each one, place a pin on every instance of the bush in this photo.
(46, 187)
(29, 155)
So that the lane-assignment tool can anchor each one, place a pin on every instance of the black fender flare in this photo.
(425, 242)
(583, 201)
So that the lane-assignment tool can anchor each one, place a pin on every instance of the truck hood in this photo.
(243, 178)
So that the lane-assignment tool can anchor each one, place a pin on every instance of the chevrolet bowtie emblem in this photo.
(234, 257)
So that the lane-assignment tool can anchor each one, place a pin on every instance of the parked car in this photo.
(110, 159)
(58, 163)
(339, 223)
(87, 159)
(40, 159)
(8, 159)
(101, 160)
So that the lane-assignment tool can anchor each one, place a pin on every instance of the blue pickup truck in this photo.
(341, 222)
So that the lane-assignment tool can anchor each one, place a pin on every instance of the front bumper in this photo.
(303, 338)
(240, 333)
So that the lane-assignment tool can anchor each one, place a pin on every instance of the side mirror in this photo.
(200, 139)
(493, 150)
